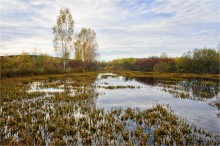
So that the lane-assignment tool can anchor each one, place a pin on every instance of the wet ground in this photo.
(109, 109)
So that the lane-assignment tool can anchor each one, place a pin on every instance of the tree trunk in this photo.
(64, 64)
(64, 61)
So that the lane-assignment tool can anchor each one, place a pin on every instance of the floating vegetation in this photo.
(32, 115)
(118, 87)
(218, 104)
(215, 104)
(203, 90)
(108, 75)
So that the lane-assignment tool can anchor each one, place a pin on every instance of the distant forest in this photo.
(204, 61)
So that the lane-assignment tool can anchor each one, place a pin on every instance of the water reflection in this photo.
(202, 90)
(147, 81)
(190, 99)
(198, 88)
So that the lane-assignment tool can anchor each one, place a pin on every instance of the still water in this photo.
(196, 108)
(193, 100)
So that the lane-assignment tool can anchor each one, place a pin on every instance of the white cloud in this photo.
(124, 28)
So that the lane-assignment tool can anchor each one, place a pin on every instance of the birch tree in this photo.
(86, 46)
(63, 34)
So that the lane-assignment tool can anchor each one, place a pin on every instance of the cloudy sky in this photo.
(125, 28)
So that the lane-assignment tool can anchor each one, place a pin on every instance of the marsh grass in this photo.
(170, 76)
(119, 87)
(105, 76)
(58, 118)
(201, 90)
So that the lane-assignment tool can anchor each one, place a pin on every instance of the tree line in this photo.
(205, 60)
(28, 65)
(198, 61)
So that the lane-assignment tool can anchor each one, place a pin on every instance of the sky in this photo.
(124, 28)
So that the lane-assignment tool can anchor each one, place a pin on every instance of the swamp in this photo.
(109, 73)
(109, 108)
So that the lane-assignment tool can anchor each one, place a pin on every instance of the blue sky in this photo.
(125, 28)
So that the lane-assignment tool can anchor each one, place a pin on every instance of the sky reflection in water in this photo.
(196, 112)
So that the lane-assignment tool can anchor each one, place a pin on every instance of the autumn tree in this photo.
(205, 60)
(86, 46)
(63, 34)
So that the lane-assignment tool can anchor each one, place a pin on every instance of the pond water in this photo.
(196, 110)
